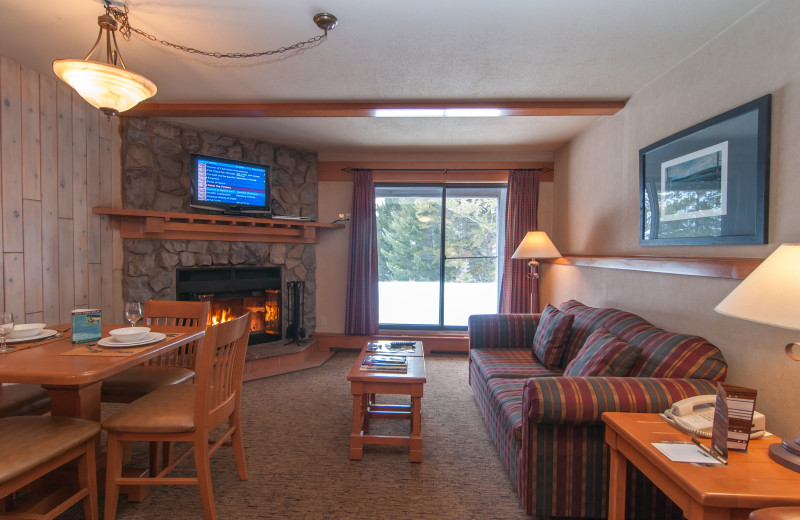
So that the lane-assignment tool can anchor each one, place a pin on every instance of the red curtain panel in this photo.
(362, 285)
(521, 202)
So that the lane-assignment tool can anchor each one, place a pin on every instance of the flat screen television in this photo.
(231, 186)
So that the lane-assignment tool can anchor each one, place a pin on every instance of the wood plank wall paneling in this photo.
(31, 148)
(80, 219)
(48, 117)
(59, 157)
(10, 128)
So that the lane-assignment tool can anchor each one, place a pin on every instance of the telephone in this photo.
(695, 416)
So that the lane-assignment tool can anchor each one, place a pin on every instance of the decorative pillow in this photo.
(604, 354)
(551, 336)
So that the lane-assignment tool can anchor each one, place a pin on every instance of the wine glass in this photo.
(6, 326)
(133, 312)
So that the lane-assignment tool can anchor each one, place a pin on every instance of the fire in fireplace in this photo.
(233, 291)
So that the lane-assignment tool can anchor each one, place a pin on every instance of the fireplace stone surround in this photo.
(155, 176)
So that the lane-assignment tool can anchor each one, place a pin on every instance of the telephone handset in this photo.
(695, 416)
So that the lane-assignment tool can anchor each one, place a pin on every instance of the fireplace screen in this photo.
(234, 291)
(265, 309)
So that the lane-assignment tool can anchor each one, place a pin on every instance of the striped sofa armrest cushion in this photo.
(581, 400)
(563, 462)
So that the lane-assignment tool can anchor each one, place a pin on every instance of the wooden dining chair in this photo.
(32, 447)
(173, 367)
(23, 399)
(187, 413)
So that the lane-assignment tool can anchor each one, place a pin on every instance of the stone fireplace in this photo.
(156, 177)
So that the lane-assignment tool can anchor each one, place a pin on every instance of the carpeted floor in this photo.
(296, 431)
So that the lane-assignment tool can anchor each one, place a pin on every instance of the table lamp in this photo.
(536, 244)
(771, 295)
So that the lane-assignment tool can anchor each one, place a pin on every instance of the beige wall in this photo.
(596, 195)
(332, 252)
(336, 197)
(57, 155)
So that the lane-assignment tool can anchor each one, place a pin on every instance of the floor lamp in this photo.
(536, 244)
(771, 295)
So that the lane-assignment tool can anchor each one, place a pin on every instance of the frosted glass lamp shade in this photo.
(771, 293)
(536, 244)
(107, 87)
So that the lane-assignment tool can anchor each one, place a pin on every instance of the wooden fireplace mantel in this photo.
(138, 223)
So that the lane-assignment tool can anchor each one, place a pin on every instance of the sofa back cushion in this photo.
(664, 354)
(603, 355)
(586, 321)
(551, 336)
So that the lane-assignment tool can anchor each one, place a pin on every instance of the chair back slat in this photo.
(220, 366)
(177, 314)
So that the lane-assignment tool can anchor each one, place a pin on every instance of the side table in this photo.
(750, 481)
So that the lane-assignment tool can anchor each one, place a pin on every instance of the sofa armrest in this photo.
(581, 400)
(563, 463)
(502, 330)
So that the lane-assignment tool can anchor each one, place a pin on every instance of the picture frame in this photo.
(708, 184)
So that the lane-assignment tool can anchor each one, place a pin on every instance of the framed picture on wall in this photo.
(708, 184)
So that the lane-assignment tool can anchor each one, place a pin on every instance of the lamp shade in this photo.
(536, 244)
(771, 293)
(110, 88)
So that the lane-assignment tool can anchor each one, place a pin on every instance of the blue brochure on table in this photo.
(85, 325)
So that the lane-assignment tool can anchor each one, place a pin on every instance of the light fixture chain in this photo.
(125, 29)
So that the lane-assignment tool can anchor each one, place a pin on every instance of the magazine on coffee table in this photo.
(397, 348)
(379, 362)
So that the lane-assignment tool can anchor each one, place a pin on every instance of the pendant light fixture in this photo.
(113, 89)
(108, 86)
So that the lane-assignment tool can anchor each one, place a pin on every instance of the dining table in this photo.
(73, 373)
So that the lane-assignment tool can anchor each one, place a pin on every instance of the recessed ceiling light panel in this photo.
(437, 112)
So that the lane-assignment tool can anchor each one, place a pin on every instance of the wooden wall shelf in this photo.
(733, 268)
(137, 223)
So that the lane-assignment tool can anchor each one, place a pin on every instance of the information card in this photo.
(85, 325)
(733, 418)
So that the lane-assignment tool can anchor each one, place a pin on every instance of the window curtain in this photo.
(521, 202)
(361, 314)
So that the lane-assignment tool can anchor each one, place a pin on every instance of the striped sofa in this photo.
(547, 426)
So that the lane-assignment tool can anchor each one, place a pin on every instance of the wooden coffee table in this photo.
(365, 385)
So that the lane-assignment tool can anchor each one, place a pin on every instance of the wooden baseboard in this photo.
(456, 342)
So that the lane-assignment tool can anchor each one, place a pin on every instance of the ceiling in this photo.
(388, 51)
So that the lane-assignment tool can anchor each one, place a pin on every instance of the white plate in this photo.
(151, 337)
(44, 333)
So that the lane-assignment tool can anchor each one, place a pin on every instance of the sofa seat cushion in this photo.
(511, 363)
(551, 336)
(505, 395)
(500, 404)
(603, 355)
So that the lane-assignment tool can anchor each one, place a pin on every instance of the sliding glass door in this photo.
(438, 253)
